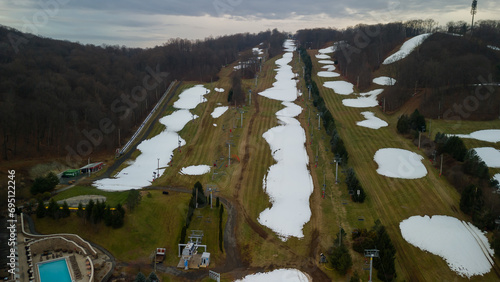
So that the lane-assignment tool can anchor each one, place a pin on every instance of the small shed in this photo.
(93, 167)
(205, 259)
(71, 173)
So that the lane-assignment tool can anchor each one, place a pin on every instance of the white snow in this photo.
(367, 100)
(219, 111)
(329, 67)
(215, 124)
(328, 74)
(195, 170)
(399, 163)
(326, 62)
(489, 155)
(340, 87)
(140, 173)
(219, 89)
(190, 98)
(497, 177)
(406, 48)
(462, 245)
(488, 135)
(257, 51)
(372, 121)
(327, 50)
(323, 56)
(278, 275)
(494, 47)
(384, 80)
(288, 182)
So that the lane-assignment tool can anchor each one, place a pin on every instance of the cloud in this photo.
(148, 23)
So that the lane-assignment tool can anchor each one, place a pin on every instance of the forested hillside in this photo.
(56, 93)
(442, 72)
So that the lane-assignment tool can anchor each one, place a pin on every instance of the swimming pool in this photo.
(56, 270)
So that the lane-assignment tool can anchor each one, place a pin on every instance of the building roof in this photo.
(91, 165)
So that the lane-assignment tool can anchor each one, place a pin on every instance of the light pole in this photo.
(309, 87)
(158, 168)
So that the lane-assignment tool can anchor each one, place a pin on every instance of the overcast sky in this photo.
(148, 23)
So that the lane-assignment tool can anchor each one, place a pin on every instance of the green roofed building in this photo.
(71, 173)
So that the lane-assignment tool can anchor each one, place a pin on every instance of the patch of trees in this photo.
(197, 198)
(64, 98)
(317, 37)
(337, 145)
(354, 187)
(465, 170)
(133, 199)
(142, 278)
(45, 184)
(377, 238)
(340, 258)
(415, 122)
(453, 146)
(93, 212)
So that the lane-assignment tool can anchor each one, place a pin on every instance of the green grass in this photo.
(112, 198)
(156, 222)
(389, 199)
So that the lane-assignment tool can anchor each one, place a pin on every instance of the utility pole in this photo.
(441, 170)
(337, 161)
(371, 253)
(419, 133)
(309, 87)
(319, 121)
(158, 169)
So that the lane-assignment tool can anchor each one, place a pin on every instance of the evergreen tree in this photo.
(403, 125)
(65, 210)
(88, 209)
(108, 218)
(153, 277)
(133, 199)
(80, 212)
(53, 209)
(340, 259)
(140, 277)
(40, 209)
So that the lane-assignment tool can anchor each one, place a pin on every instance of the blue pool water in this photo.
(54, 271)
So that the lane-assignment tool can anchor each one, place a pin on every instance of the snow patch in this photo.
(372, 121)
(340, 87)
(406, 48)
(488, 135)
(219, 111)
(489, 155)
(399, 163)
(278, 275)
(384, 80)
(288, 182)
(328, 50)
(329, 67)
(323, 56)
(190, 98)
(140, 173)
(220, 90)
(195, 170)
(326, 62)
(328, 74)
(462, 245)
(367, 100)
(494, 47)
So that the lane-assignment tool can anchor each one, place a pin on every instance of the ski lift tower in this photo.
(337, 160)
(371, 253)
